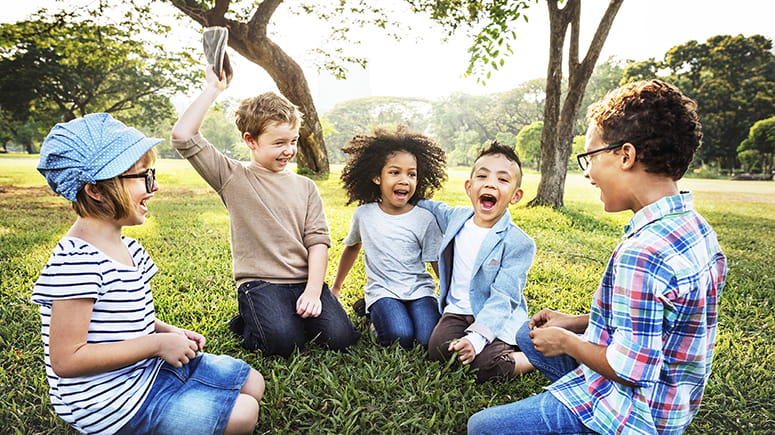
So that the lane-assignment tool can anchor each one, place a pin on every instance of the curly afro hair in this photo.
(369, 153)
(657, 118)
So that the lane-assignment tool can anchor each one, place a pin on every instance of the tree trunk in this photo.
(560, 117)
(250, 40)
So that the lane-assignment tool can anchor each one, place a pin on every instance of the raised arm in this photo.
(191, 120)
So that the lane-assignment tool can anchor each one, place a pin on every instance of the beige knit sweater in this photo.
(273, 216)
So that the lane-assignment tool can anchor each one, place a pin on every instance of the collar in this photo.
(668, 205)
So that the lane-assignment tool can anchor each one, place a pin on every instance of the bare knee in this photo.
(254, 385)
(244, 416)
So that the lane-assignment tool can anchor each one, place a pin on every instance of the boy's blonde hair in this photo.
(254, 114)
(116, 202)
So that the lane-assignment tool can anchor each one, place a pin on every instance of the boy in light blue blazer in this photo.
(483, 266)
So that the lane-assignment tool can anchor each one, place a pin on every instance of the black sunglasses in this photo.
(149, 175)
(583, 158)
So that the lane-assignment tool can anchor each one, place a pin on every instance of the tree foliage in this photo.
(362, 115)
(249, 34)
(529, 145)
(758, 149)
(58, 67)
(493, 21)
(733, 80)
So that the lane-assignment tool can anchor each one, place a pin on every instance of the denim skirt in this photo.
(194, 399)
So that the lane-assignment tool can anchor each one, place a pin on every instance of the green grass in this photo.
(372, 389)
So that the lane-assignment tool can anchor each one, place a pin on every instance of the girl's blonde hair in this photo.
(116, 202)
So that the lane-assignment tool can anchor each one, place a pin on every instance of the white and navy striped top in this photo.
(123, 309)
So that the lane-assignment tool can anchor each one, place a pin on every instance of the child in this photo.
(112, 366)
(386, 175)
(483, 270)
(279, 234)
(647, 346)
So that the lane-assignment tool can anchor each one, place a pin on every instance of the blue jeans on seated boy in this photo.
(272, 326)
(539, 414)
(405, 321)
(194, 399)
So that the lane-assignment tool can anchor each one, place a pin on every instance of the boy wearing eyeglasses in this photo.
(640, 360)
(483, 265)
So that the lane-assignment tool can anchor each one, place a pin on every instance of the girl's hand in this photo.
(176, 349)
(465, 350)
(196, 337)
(308, 305)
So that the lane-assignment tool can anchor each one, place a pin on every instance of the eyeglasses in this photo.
(583, 158)
(149, 175)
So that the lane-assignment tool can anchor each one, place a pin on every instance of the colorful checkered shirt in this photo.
(656, 311)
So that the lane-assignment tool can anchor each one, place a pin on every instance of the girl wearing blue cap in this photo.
(112, 366)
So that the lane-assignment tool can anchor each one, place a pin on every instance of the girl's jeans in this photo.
(405, 321)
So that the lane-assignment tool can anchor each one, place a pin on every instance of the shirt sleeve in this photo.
(316, 225)
(431, 242)
(354, 236)
(214, 167)
(635, 348)
(477, 340)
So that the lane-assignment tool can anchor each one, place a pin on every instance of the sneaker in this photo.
(359, 307)
(237, 325)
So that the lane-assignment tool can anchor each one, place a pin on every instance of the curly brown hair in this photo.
(369, 153)
(655, 117)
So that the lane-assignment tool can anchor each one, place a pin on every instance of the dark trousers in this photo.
(493, 362)
(273, 327)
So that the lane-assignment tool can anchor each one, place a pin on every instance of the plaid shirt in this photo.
(656, 311)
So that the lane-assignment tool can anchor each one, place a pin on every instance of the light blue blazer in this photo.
(499, 274)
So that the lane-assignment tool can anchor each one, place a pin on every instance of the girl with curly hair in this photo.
(387, 173)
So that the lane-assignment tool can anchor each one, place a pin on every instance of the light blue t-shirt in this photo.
(396, 248)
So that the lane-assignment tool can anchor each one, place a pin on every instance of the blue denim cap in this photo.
(84, 150)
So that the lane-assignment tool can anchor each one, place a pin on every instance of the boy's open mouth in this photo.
(487, 201)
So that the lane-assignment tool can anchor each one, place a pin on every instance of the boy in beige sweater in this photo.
(279, 233)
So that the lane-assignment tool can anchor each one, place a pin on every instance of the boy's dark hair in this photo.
(369, 153)
(657, 118)
(506, 151)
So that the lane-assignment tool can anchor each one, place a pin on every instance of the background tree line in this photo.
(56, 66)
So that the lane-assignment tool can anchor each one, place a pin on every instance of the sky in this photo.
(423, 66)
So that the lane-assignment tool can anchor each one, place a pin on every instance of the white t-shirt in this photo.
(396, 248)
(123, 309)
(467, 243)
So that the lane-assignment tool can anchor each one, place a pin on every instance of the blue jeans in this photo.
(273, 327)
(194, 399)
(539, 414)
(405, 321)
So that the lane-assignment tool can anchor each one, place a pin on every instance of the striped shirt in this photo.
(123, 309)
(656, 311)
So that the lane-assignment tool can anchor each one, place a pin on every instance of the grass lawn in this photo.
(373, 389)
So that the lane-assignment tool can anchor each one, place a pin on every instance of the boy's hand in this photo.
(176, 349)
(308, 305)
(464, 349)
(551, 341)
(547, 318)
(220, 83)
